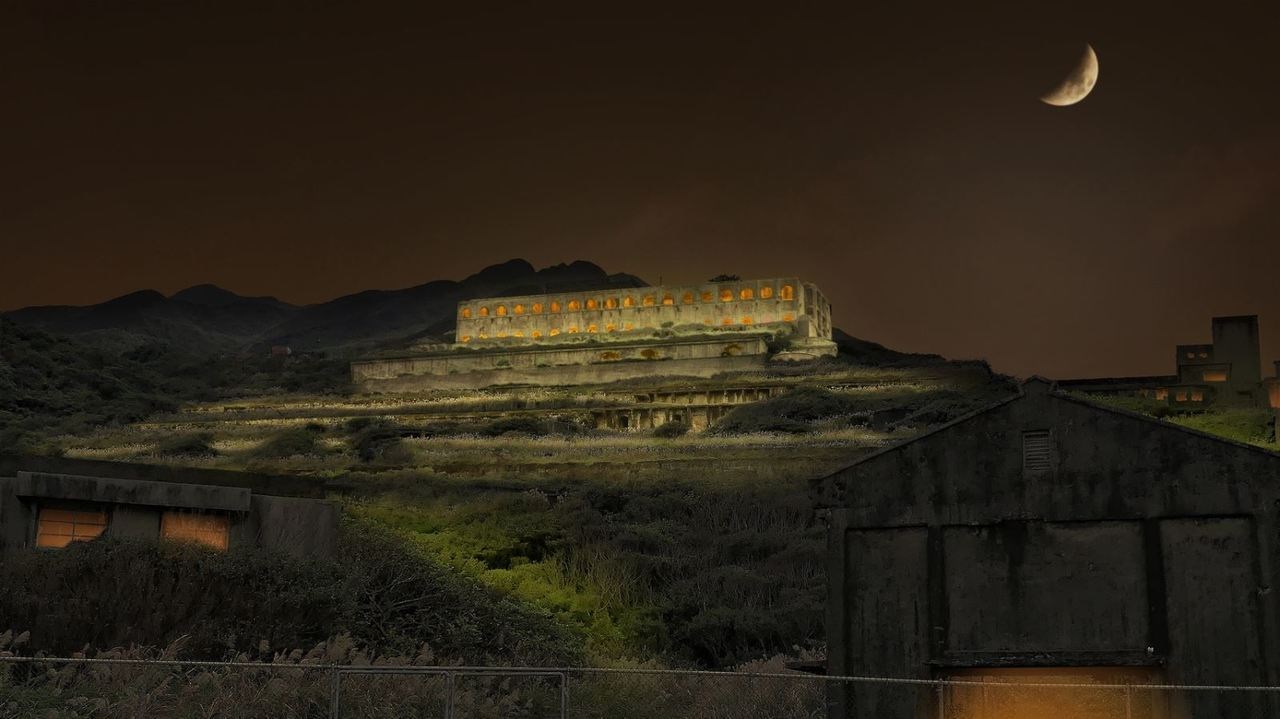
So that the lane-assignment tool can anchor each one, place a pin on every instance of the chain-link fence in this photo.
(167, 689)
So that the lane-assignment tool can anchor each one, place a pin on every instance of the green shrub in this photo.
(297, 442)
(794, 412)
(672, 429)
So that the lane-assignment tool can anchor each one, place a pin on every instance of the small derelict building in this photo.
(601, 336)
(50, 502)
(1051, 534)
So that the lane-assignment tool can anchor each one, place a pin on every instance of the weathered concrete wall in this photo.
(545, 318)
(596, 364)
(1134, 534)
(128, 491)
(285, 485)
(301, 527)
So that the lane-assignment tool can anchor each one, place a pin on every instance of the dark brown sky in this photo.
(897, 157)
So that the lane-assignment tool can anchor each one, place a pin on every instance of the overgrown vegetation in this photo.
(1250, 425)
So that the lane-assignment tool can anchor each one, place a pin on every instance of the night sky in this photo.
(899, 158)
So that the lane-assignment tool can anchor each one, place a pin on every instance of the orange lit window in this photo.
(1197, 396)
(726, 321)
(555, 306)
(537, 308)
(726, 295)
(668, 300)
(688, 298)
(707, 296)
(592, 328)
(519, 309)
(501, 311)
(517, 334)
(466, 312)
(1191, 355)
(1204, 355)
(60, 527)
(628, 326)
(788, 317)
(628, 301)
(1215, 375)
(1162, 394)
(592, 304)
(482, 336)
(466, 338)
(747, 293)
(610, 303)
(573, 329)
(649, 300)
(574, 305)
(1180, 397)
(501, 335)
(553, 332)
(536, 335)
(211, 530)
(788, 293)
(610, 328)
(766, 292)
(746, 320)
(484, 311)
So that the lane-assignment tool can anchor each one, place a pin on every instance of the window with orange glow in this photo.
(1180, 397)
(482, 336)
(536, 334)
(1029, 693)
(628, 301)
(555, 306)
(668, 300)
(501, 311)
(593, 329)
(789, 293)
(519, 309)
(688, 298)
(56, 528)
(211, 530)
(484, 311)
(746, 320)
(501, 335)
(592, 304)
(573, 329)
(1162, 394)
(610, 328)
(553, 332)
(788, 317)
(766, 292)
(707, 296)
(1197, 395)
(726, 295)
(574, 305)
(649, 300)
(466, 313)
(747, 293)
(537, 308)
(726, 321)
(465, 338)
(1215, 375)
(611, 303)
(517, 333)
(628, 326)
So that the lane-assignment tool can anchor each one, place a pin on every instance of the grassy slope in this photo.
(1250, 425)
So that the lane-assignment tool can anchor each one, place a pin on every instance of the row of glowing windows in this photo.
(726, 295)
(1181, 395)
(594, 329)
(57, 528)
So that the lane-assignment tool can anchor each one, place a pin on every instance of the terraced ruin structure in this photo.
(593, 337)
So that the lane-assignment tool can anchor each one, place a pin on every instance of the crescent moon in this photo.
(1078, 84)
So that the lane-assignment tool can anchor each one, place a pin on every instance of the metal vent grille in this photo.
(1037, 451)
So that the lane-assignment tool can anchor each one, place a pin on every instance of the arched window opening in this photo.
(553, 331)
(726, 321)
(746, 320)
(610, 328)
(668, 300)
(466, 313)
(788, 317)
(484, 311)
(465, 339)
(555, 306)
(573, 329)
(592, 304)
(537, 308)
(628, 326)
(517, 334)
(688, 298)
(501, 335)
(574, 305)
(747, 293)
(766, 292)
(536, 335)
(788, 292)
(707, 296)
(501, 311)
(592, 329)
(519, 309)
(726, 295)
(649, 300)
(482, 336)
(611, 303)
(628, 301)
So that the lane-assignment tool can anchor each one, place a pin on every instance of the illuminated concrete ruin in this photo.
(1049, 537)
(573, 338)
(1227, 371)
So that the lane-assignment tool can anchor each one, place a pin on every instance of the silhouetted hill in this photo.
(207, 318)
(872, 353)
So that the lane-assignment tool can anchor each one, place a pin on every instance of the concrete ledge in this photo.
(45, 485)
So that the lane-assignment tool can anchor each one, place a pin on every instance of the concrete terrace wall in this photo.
(743, 303)
(561, 366)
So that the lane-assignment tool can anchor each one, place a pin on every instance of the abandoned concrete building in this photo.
(1051, 536)
(609, 335)
(1227, 371)
(48, 503)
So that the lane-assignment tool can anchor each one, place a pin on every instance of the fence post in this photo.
(564, 695)
(941, 689)
(335, 692)
(448, 695)
(1128, 701)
